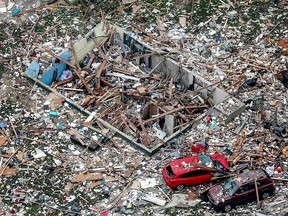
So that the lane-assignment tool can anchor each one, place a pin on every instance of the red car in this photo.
(192, 170)
(199, 147)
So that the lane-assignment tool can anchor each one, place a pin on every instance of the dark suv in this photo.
(241, 188)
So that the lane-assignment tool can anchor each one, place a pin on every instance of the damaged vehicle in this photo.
(199, 147)
(240, 189)
(193, 170)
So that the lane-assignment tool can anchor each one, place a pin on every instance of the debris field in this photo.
(104, 103)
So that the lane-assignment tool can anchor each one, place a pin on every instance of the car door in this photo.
(244, 193)
(251, 191)
(196, 177)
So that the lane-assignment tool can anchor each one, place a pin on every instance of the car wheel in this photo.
(265, 195)
(227, 208)
(180, 187)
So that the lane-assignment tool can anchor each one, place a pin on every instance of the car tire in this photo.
(180, 187)
(227, 208)
(265, 195)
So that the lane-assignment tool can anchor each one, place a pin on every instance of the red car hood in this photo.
(182, 165)
(221, 159)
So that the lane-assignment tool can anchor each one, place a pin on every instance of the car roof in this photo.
(184, 165)
(249, 176)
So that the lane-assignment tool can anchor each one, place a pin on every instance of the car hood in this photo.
(216, 194)
(221, 159)
(183, 165)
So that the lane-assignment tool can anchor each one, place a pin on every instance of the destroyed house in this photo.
(140, 93)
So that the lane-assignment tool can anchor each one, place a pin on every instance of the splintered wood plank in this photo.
(172, 111)
(3, 140)
(171, 88)
(74, 69)
(84, 82)
(8, 171)
(143, 134)
(125, 122)
(90, 61)
(141, 90)
(75, 55)
(239, 143)
(59, 58)
(85, 177)
(142, 30)
(77, 72)
(55, 84)
(160, 26)
(136, 164)
(131, 125)
(99, 71)
(261, 152)
(94, 184)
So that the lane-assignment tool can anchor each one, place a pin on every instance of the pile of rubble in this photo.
(56, 159)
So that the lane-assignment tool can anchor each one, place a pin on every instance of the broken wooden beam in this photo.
(59, 58)
(84, 82)
(144, 134)
(171, 85)
(6, 171)
(98, 74)
(257, 192)
(55, 84)
(90, 61)
(136, 164)
(171, 111)
(143, 30)
(75, 55)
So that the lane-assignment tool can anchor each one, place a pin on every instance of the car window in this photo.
(195, 173)
(187, 175)
(229, 187)
(245, 188)
(261, 183)
(170, 171)
(206, 160)
(242, 189)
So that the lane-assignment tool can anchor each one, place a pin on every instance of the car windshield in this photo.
(206, 160)
(169, 171)
(229, 187)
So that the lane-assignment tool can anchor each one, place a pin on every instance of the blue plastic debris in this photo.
(33, 70)
(109, 68)
(60, 126)
(55, 72)
(15, 11)
(148, 69)
(225, 47)
(3, 125)
(217, 38)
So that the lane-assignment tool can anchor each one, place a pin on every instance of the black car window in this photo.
(251, 186)
(187, 175)
(241, 190)
(245, 188)
(170, 171)
(195, 173)
(261, 183)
